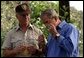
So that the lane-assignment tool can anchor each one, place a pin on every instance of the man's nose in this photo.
(26, 16)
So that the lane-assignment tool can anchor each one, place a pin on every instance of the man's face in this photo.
(48, 21)
(23, 17)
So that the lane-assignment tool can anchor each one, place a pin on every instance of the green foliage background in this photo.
(8, 19)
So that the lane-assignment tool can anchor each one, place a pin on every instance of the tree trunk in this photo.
(64, 10)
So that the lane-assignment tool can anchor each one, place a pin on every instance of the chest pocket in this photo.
(16, 42)
(32, 39)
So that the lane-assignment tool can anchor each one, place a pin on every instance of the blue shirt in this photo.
(66, 45)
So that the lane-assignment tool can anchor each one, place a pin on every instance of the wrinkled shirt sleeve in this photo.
(70, 42)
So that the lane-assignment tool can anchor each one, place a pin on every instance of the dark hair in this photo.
(51, 13)
(22, 7)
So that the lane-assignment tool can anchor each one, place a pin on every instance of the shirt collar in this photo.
(62, 24)
(29, 27)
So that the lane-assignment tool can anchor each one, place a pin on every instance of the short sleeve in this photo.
(7, 42)
(40, 32)
(37, 30)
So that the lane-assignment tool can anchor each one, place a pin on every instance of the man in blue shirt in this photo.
(63, 38)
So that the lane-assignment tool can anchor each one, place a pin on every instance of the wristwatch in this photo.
(57, 35)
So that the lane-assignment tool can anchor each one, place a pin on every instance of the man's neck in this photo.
(24, 27)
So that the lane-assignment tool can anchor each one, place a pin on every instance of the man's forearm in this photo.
(9, 53)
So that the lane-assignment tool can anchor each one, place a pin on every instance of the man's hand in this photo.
(52, 30)
(19, 49)
(13, 52)
(31, 49)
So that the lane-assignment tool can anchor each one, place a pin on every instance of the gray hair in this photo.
(51, 13)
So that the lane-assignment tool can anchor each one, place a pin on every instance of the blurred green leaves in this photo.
(8, 19)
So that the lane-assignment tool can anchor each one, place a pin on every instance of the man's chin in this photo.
(25, 24)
